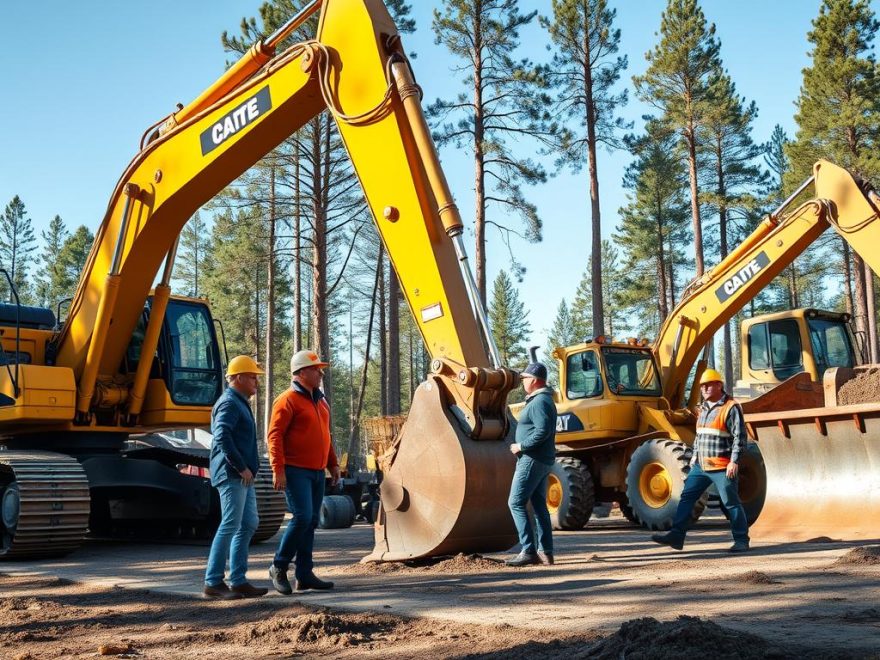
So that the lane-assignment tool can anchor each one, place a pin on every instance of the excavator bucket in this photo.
(442, 492)
(821, 452)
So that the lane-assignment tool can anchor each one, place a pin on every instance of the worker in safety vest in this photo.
(721, 440)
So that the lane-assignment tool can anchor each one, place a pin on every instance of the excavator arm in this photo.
(445, 486)
(712, 300)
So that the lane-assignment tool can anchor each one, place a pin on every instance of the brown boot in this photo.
(221, 592)
(247, 590)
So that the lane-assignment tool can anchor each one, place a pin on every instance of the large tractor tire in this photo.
(337, 512)
(570, 494)
(752, 482)
(654, 481)
(628, 513)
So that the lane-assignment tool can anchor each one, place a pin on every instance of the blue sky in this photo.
(82, 81)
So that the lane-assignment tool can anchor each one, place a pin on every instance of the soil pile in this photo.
(866, 555)
(756, 577)
(687, 636)
(321, 630)
(460, 563)
(864, 388)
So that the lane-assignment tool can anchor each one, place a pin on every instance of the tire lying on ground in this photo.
(654, 480)
(570, 494)
(337, 512)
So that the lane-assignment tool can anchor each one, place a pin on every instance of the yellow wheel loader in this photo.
(625, 411)
(127, 360)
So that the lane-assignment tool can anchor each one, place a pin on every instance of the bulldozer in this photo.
(626, 425)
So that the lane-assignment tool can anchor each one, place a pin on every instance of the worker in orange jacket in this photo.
(300, 451)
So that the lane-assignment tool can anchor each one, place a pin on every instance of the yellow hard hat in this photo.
(243, 364)
(306, 358)
(711, 376)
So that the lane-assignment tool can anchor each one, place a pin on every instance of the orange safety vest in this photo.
(716, 427)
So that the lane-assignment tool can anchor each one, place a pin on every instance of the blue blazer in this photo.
(234, 443)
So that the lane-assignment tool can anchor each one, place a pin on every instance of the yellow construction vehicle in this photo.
(72, 395)
(625, 422)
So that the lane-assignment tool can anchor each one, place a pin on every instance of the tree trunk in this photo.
(256, 350)
(297, 256)
(596, 220)
(319, 256)
(691, 138)
(662, 306)
(860, 299)
(847, 279)
(393, 342)
(383, 338)
(269, 363)
(479, 164)
(723, 229)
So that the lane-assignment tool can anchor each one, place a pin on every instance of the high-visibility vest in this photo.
(716, 427)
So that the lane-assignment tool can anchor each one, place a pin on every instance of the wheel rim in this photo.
(554, 493)
(11, 507)
(655, 485)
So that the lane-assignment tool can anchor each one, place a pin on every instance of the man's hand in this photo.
(515, 448)
(732, 470)
(247, 477)
(279, 481)
(334, 475)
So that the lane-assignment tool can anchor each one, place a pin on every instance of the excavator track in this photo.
(44, 504)
(271, 504)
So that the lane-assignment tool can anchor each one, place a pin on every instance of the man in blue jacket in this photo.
(234, 465)
(535, 451)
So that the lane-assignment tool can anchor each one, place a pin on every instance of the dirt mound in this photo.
(460, 563)
(866, 555)
(321, 629)
(863, 388)
(756, 577)
(687, 636)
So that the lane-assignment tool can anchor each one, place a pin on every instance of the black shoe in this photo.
(247, 590)
(668, 539)
(545, 558)
(312, 581)
(279, 580)
(739, 546)
(523, 559)
(220, 592)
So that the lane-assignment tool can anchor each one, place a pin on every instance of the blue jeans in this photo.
(238, 522)
(694, 486)
(530, 485)
(304, 493)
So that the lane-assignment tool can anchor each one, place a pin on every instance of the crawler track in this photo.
(44, 510)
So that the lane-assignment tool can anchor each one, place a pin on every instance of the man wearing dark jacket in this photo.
(535, 451)
(234, 465)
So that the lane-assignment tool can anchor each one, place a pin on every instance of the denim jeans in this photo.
(238, 522)
(530, 485)
(694, 486)
(304, 493)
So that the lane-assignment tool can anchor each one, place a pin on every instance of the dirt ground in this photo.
(612, 594)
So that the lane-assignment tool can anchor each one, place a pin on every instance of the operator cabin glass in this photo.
(831, 344)
(630, 371)
(776, 345)
(195, 373)
(583, 377)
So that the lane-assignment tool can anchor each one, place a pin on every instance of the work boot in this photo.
(523, 559)
(545, 558)
(312, 581)
(279, 580)
(220, 592)
(739, 546)
(247, 590)
(668, 539)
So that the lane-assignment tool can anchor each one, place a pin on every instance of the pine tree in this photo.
(837, 112)
(508, 319)
(192, 256)
(582, 305)
(53, 281)
(505, 103)
(563, 333)
(678, 83)
(17, 243)
(585, 69)
(74, 255)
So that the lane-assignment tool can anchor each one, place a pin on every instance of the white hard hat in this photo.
(306, 358)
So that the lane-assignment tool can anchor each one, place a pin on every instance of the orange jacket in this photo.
(299, 432)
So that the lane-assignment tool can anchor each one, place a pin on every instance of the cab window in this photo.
(194, 363)
(831, 345)
(630, 371)
(582, 376)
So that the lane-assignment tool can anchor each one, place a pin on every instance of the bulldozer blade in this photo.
(823, 473)
(443, 493)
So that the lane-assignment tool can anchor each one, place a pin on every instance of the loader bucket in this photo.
(442, 492)
(823, 473)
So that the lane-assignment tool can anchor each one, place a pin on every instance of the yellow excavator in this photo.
(625, 411)
(129, 360)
